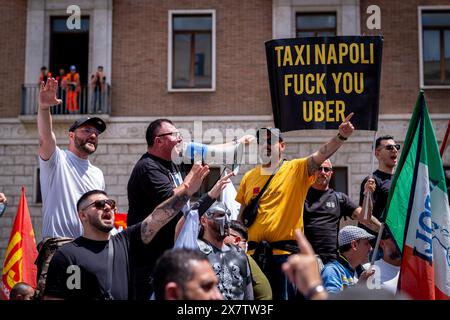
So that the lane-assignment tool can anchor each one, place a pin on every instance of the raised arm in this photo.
(240, 217)
(328, 149)
(47, 98)
(167, 210)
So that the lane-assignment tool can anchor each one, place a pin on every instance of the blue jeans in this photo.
(282, 288)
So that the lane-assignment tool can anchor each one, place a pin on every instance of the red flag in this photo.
(21, 252)
(120, 220)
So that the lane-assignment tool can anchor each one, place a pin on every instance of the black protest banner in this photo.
(315, 82)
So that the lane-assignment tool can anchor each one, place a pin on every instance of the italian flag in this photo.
(418, 213)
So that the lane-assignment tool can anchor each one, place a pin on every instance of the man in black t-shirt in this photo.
(99, 266)
(154, 179)
(387, 153)
(323, 210)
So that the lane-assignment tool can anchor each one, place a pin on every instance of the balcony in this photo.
(85, 101)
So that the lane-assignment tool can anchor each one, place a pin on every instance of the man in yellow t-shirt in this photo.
(280, 209)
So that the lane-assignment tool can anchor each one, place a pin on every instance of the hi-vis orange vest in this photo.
(44, 78)
(72, 78)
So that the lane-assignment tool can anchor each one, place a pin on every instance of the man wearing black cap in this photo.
(65, 174)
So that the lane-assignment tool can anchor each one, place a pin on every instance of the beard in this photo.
(99, 225)
(393, 254)
(322, 181)
(268, 155)
(82, 145)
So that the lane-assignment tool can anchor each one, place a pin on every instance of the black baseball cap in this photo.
(269, 133)
(98, 123)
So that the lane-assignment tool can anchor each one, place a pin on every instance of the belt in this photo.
(287, 245)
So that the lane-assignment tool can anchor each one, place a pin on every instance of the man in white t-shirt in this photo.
(389, 265)
(65, 174)
(386, 269)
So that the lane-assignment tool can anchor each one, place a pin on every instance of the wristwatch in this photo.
(341, 137)
(313, 291)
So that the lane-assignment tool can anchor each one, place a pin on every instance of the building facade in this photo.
(202, 64)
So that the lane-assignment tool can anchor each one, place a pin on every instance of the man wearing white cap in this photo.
(354, 248)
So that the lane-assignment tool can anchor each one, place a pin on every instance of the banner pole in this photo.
(377, 244)
(444, 142)
(366, 205)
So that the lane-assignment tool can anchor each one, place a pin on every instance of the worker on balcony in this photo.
(73, 88)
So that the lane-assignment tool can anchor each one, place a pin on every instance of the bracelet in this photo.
(341, 137)
(313, 291)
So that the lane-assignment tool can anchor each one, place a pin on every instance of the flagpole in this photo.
(366, 205)
(444, 142)
(377, 244)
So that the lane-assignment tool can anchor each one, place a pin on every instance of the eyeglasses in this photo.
(325, 169)
(391, 147)
(100, 204)
(175, 134)
(90, 130)
(238, 237)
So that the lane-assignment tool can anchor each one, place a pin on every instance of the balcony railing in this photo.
(83, 101)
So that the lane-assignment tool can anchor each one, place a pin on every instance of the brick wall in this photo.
(13, 26)
(400, 63)
(139, 75)
(123, 143)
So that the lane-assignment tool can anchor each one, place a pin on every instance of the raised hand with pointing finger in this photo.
(346, 129)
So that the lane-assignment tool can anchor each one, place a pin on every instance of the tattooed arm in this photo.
(328, 149)
(167, 210)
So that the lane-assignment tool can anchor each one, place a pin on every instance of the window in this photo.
(69, 47)
(315, 24)
(192, 51)
(339, 180)
(435, 47)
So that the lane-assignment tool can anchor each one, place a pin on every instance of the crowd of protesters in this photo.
(292, 249)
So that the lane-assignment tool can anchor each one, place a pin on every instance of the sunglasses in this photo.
(391, 147)
(90, 131)
(174, 134)
(100, 204)
(325, 169)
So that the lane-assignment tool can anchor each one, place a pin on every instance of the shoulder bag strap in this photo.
(268, 181)
(110, 268)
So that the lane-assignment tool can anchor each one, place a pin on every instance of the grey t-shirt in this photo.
(64, 179)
